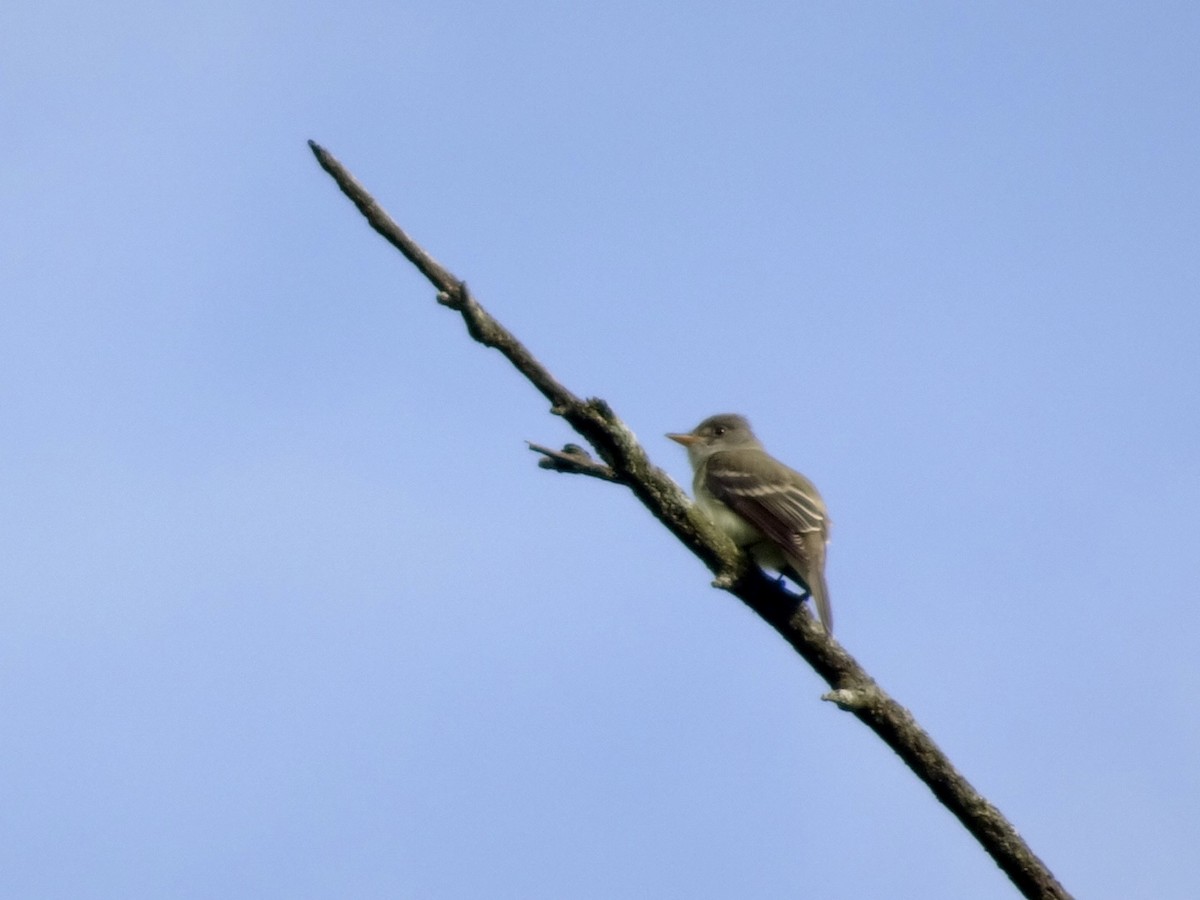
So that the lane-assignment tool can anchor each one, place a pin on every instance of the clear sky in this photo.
(288, 609)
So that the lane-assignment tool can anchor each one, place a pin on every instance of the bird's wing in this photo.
(777, 500)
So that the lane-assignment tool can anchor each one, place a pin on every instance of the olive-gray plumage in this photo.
(767, 508)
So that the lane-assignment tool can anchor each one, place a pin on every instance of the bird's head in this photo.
(726, 431)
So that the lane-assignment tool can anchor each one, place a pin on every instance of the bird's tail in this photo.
(820, 594)
(808, 568)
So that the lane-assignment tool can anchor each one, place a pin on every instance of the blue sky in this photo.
(290, 611)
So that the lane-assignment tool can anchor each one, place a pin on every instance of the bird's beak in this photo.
(686, 439)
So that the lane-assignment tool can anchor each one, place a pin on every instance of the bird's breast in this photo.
(734, 526)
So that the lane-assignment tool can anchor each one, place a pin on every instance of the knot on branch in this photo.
(847, 699)
(853, 699)
(457, 297)
(602, 409)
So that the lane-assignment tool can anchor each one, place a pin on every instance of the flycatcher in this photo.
(771, 511)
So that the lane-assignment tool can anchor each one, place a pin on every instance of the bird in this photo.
(767, 508)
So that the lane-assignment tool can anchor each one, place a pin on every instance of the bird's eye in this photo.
(719, 431)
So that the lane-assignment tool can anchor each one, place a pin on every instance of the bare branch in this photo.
(627, 463)
(573, 460)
